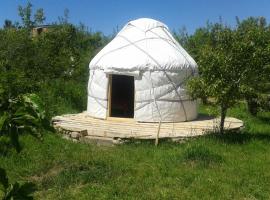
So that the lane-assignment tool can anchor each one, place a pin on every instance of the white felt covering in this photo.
(145, 49)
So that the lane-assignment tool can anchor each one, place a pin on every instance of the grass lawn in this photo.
(233, 166)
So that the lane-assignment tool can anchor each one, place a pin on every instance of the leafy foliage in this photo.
(15, 191)
(22, 114)
(233, 63)
(26, 16)
(254, 50)
(218, 77)
(16, 57)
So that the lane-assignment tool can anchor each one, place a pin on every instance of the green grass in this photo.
(232, 166)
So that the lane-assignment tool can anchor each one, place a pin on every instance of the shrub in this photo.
(15, 191)
(24, 114)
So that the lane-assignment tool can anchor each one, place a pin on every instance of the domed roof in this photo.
(146, 24)
(143, 44)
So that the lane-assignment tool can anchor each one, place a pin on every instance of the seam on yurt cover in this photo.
(90, 80)
(150, 29)
(154, 95)
(175, 46)
(95, 97)
(118, 48)
(163, 72)
(146, 30)
(180, 50)
(130, 44)
(157, 100)
(161, 95)
(105, 107)
(165, 100)
(90, 91)
(172, 40)
(160, 117)
(169, 90)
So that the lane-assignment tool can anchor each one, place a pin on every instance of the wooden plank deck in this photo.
(124, 129)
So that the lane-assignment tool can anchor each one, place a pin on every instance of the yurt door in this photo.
(121, 96)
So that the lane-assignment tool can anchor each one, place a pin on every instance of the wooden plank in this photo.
(204, 123)
(120, 119)
(128, 126)
(131, 129)
(122, 129)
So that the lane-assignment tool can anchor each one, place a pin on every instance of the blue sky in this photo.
(106, 15)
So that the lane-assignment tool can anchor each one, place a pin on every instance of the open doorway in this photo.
(122, 96)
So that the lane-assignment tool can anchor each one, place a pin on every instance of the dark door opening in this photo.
(122, 96)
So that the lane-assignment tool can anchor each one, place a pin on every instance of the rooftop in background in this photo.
(37, 30)
(43, 26)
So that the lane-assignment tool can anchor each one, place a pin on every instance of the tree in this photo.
(254, 39)
(182, 36)
(219, 75)
(233, 64)
(194, 44)
(64, 19)
(39, 17)
(8, 24)
(26, 16)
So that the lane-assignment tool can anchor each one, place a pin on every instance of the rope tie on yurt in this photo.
(96, 99)
(172, 42)
(163, 70)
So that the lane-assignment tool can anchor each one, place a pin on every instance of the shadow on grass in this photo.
(96, 171)
(239, 137)
(264, 119)
(201, 155)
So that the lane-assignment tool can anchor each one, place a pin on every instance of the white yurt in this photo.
(141, 74)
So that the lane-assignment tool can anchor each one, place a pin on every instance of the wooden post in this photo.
(109, 96)
(157, 137)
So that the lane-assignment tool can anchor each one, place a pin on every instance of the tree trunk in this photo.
(222, 119)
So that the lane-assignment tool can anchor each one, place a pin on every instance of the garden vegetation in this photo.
(46, 74)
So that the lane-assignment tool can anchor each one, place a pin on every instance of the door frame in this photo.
(109, 104)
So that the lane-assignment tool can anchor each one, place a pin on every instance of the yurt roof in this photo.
(143, 44)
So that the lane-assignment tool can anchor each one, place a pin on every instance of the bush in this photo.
(15, 191)
(24, 114)
(62, 97)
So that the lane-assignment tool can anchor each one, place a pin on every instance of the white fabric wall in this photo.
(97, 94)
(145, 49)
(159, 95)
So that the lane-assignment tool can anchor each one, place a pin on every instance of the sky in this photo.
(109, 15)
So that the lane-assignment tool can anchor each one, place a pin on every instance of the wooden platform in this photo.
(81, 126)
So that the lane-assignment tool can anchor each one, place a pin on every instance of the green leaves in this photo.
(15, 191)
(26, 16)
(233, 63)
(3, 180)
(24, 114)
(3, 120)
